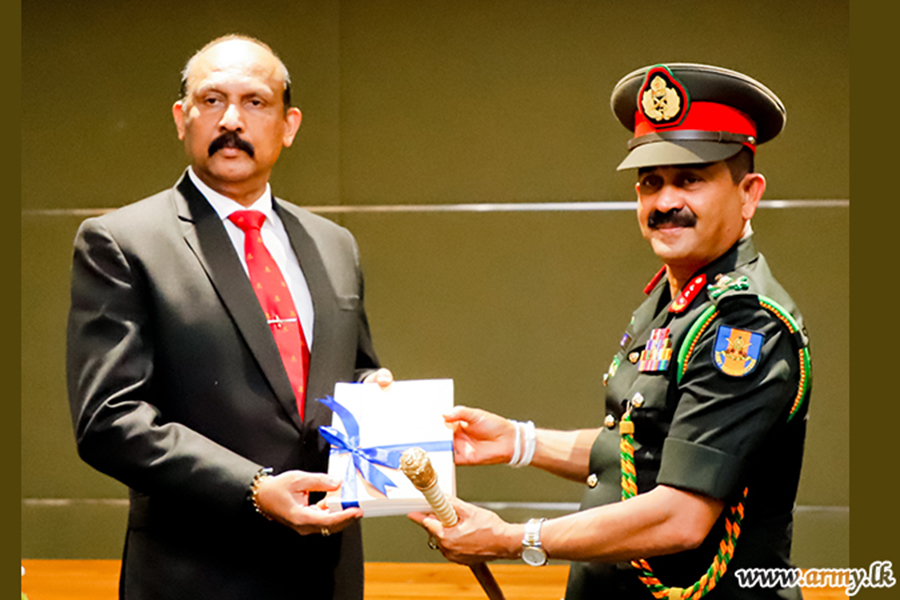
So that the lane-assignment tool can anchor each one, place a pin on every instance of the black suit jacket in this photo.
(177, 390)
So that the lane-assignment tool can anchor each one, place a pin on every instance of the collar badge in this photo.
(688, 294)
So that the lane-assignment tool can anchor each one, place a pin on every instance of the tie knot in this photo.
(247, 220)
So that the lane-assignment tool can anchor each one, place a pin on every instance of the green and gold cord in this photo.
(727, 545)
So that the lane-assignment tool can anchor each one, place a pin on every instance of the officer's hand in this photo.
(382, 377)
(285, 499)
(478, 536)
(480, 437)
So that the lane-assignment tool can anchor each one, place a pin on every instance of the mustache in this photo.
(231, 139)
(679, 217)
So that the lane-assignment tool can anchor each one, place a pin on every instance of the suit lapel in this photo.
(325, 309)
(207, 238)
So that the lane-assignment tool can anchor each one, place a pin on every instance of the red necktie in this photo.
(276, 302)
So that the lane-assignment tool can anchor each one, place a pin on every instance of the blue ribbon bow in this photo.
(365, 459)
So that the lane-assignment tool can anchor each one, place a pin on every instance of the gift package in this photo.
(370, 429)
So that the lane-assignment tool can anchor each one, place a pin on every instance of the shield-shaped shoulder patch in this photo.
(736, 351)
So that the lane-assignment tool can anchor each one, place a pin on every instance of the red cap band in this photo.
(703, 116)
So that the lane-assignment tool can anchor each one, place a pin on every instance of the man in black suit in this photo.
(180, 383)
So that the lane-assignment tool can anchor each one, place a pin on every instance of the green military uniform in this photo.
(714, 381)
(713, 433)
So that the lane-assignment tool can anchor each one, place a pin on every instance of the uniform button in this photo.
(637, 400)
(633, 357)
(609, 421)
(592, 481)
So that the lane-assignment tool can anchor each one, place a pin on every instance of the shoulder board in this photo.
(727, 301)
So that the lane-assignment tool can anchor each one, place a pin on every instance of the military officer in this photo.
(694, 473)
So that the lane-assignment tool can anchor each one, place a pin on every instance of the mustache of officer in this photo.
(677, 217)
(231, 139)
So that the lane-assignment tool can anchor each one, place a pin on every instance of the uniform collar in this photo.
(740, 254)
(743, 252)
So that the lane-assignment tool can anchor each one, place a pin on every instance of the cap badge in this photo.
(663, 99)
(737, 351)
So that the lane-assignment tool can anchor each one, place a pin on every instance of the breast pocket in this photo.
(651, 413)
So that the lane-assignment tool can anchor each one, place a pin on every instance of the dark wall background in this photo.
(408, 103)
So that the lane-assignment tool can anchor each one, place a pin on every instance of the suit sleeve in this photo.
(109, 363)
(722, 418)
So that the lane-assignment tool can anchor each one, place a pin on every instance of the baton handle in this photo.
(440, 504)
(417, 467)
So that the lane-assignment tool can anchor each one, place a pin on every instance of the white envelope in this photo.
(406, 415)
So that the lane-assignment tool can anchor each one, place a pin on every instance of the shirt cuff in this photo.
(698, 468)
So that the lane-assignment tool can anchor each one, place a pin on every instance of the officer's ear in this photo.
(751, 189)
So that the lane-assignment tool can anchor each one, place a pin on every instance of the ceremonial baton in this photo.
(415, 464)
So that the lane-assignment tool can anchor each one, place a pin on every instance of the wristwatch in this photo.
(532, 552)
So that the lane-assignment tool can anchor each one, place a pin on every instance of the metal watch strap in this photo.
(532, 551)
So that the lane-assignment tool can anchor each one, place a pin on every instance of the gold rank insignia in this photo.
(662, 99)
(736, 351)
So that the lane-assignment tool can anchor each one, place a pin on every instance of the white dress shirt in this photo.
(276, 240)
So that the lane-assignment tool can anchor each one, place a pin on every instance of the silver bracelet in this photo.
(517, 449)
(526, 441)
(529, 436)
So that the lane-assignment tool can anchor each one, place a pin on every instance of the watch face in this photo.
(534, 556)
